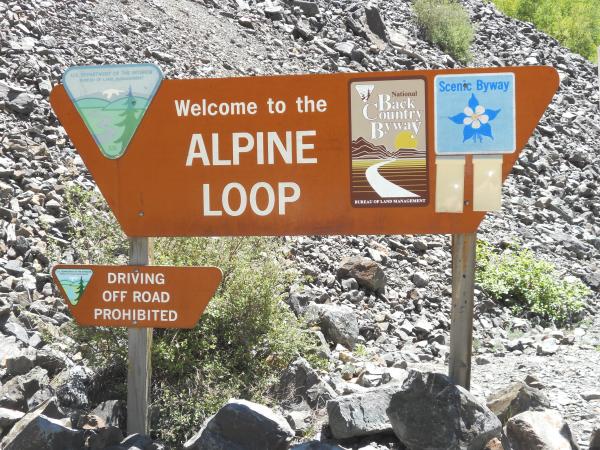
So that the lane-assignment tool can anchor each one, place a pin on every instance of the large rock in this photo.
(539, 430)
(361, 414)
(374, 22)
(15, 393)
(595, 440)
(38, 432)
(71, 386)
(9, 347)
(309, 8)
(21, 362)
(364, 270)
(243, 425)
(299, 382)
(138, 441)
(102, 438)
(112, 413)
(338, 323)
(515, 399)
(430, 412)
(315, 445)
(8, 418)
(16, 98)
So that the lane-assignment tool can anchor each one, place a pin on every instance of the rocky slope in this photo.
(550, 202)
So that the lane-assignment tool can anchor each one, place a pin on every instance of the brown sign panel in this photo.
(314, 154)
(136, 296)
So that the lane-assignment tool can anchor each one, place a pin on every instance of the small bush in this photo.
(446, 23)
(528, 285)
(243, 341)
(575, 23)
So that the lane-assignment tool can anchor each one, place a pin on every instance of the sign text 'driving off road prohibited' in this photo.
(137, 296)
(313, 154)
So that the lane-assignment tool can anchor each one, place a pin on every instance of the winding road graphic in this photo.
(383, 187)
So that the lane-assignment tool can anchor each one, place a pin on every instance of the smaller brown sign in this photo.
(136, 296)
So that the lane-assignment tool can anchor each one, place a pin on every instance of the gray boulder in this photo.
(111, 413)
(15, 393)
(8, 417)
(104, 437)
(9, 347)
(338, 323)
(547, 347)
(71, 386)
(138, 441)
(38, 432)
(361, 414)
(364, 270)
(431, 412)
(315, 445)
(299, 382)
(375, 23)
(595, 440)
(543, 430)
(515, 399)
(21, 362)
(51, 359)
(309, 8)
(243, 425)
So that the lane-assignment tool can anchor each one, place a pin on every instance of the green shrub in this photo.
(528, 285)
(574, 23)
(446, 23)
(243, 341)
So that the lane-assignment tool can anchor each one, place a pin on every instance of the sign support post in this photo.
(139, 363)
(463, 290)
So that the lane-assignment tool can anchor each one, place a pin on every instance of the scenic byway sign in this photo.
(136, 296)
(376, 153)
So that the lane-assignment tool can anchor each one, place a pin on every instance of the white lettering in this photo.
(283, 198)
(270, 199)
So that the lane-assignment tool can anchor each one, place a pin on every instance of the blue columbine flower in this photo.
(475, 118)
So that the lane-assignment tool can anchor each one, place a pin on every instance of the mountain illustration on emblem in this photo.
(112, 101)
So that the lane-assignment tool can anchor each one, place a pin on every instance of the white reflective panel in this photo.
(487, 183)
(450, 184)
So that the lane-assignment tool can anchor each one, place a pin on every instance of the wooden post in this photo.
(461, 325)
(139, 367)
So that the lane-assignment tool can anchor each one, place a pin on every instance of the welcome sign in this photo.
(312, 154)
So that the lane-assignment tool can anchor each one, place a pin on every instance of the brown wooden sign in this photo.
(344, 153)
(136, 296)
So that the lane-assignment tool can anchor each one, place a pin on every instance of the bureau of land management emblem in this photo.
(388, 143)
(74, 282)
(112, 101)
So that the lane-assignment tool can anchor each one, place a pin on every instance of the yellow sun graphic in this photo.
(405, 139)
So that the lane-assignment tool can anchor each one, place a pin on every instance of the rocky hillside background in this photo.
(381, 316)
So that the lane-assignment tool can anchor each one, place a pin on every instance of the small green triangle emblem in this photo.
(74, 282)
(112, 101)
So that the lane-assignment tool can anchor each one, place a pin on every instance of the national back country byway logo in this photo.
(388, 143)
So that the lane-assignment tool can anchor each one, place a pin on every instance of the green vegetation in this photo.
(529, 285)
(360, 350)
(245, 338)
(514, 334)
(575, 23)
(446, 23)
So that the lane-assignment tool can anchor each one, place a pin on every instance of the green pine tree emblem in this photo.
(129, 121)
(79, 289)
